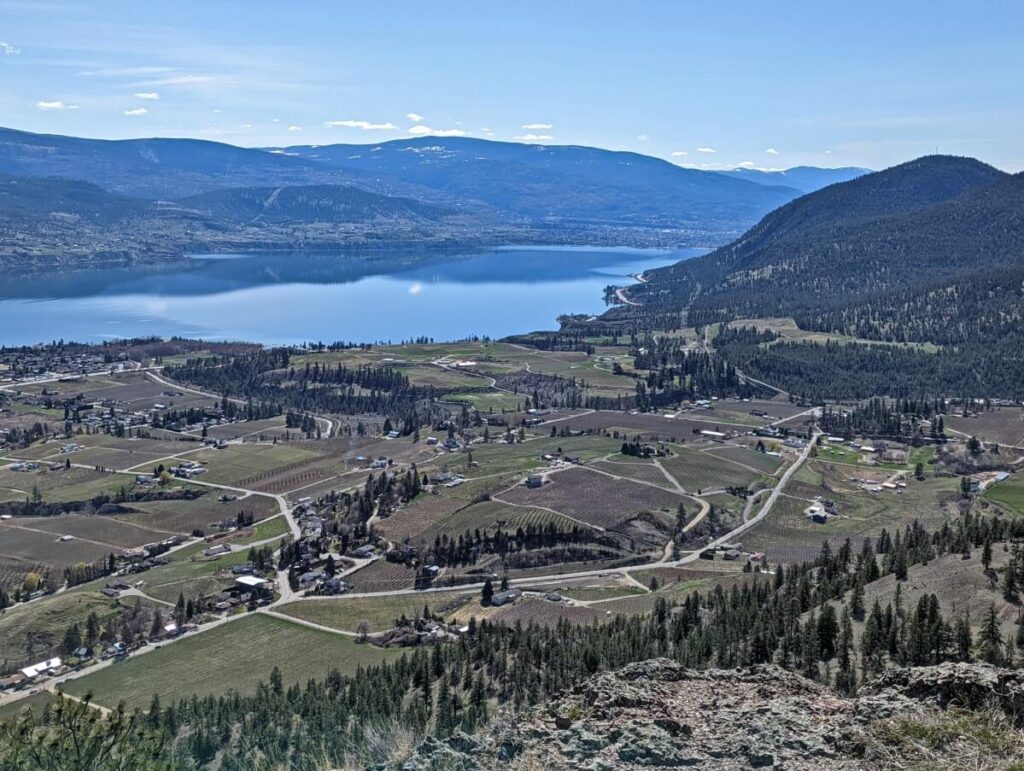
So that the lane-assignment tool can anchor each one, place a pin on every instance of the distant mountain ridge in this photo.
(559, 183)
(806, 179)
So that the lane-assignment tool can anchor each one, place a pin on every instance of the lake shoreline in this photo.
(296, 297)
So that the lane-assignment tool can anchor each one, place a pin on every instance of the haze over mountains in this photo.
(155, 199)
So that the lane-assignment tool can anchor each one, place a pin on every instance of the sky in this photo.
(708, 85)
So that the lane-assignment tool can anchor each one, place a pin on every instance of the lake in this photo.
(295, 298)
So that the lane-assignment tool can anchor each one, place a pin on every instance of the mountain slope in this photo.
(559, 184)
(912, 228)
(26, 199)
(335, 204)
(806, 179)
(158, 168)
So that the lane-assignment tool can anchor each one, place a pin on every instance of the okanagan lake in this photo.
(293, 298)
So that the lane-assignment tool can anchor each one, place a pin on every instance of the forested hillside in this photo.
(931, 251)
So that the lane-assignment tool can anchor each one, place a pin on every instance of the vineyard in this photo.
(699, 471)
(608, 501)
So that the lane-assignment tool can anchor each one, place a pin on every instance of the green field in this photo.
(1009, 493)
(37, 702)
(346, 613)
(236, 655)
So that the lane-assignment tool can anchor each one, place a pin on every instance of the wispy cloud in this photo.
(56, 104)
(421, 131)
(295, 128)
(129, 72)
(534, 138)
(136, 111)
(415, 117)
(746, 165)
(151, 96)
(643, 138)
(771, 151)
(538, 126)
(679, 153)
(8, 49)
(364, 125)
(706, 150)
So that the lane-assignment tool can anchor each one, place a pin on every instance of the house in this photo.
(252, 583)
(707, 554)
(712, 434)
(365, 551)
(380, 462)
(534, 480)
(757, 556)
(335, 586)
(110, 592)
(732, 554)
(507, 597)
(310, 578)
(12, 681)
(431, 440)
(43, 667)
(216, 551)
(393, 434)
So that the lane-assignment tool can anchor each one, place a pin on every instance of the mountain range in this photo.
(68, 199)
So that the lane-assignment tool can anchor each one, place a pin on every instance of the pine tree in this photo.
(991, 639)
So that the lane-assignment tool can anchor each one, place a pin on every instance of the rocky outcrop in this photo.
(657, 714)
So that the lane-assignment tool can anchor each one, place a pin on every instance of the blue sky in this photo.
(717, 85)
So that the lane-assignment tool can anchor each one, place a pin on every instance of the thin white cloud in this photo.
(56, 104)
(538, 126)
(771, 151)
(295, 128)
(706, 150)
(643, 138)
(8, 49)
(420, 130)
(534, 138)
(415, 288)
(679, 153)
(746, 165)
(415, 117)
(364, 125)
(150, 96)
(136, 111)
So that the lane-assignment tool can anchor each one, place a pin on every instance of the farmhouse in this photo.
(534, 480)
(216, 551)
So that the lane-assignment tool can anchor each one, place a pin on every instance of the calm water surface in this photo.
(294, 298)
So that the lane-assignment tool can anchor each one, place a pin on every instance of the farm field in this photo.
(346, 613)
(699, 471)
(1004, 425)
(608, 502)
(1009, 493)
(382, 576)
(41, 547)
(183, 516)
(233, 656)
(37, 702)
(639, 471)
(250, 463)
(788, 535)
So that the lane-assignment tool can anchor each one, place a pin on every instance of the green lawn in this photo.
(1010, 493)
(234, 656)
